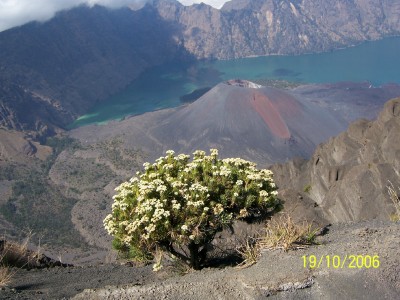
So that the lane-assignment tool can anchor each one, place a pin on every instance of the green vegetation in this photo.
(40, 207)
(36, 204)
(84, 174)
(307, 189)
(121, 158)
(178, 206)
(12, 171)
(59, 144)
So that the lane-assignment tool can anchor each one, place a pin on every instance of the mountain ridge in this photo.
(265, 27)
(84, 55)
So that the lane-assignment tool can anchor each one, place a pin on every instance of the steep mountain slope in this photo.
(55, 71)
(348, 175)
(261, 27)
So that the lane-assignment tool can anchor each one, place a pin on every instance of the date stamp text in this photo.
(341, 262)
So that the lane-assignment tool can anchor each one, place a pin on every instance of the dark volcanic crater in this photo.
(241, 118)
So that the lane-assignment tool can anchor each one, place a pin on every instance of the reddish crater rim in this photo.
(270, 114)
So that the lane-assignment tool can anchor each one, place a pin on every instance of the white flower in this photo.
(170, 152)
(150, 228)
(192, 237)
(176, 206)
(239, 182)
(157, 267)
(168, 166)
(199, 153)
(182, 157)
(214, 152)
(225, 171)
(184, 227)
(198, 187)
(198, 203)
(161, 188)
(235, 194)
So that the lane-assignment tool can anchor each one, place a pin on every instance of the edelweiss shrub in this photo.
(176, 204)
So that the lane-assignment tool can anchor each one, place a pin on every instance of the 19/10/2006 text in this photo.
(339, 262)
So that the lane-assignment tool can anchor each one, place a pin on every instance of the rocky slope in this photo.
(262, 27)
(347, 176)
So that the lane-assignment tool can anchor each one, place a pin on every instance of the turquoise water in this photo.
(377, 62)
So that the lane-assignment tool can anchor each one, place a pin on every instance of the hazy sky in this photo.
(18, 12)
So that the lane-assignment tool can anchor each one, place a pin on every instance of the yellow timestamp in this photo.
(340, 262)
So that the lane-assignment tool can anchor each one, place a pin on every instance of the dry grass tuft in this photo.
(283, 233)
(6, 275)
(249, 251)
(17, 254)
(396, 201)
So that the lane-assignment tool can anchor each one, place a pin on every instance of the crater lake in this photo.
(171, 85)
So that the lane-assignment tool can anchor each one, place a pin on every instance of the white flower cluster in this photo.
(198, 187)
(180, 201)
